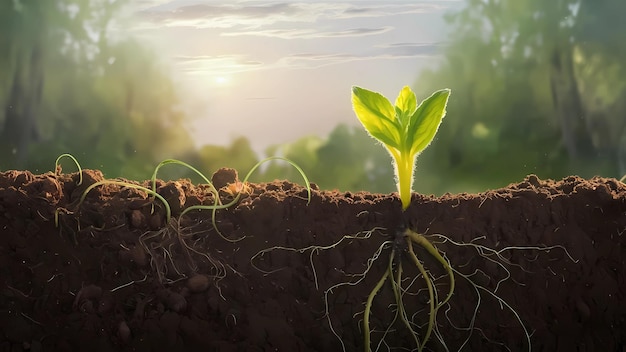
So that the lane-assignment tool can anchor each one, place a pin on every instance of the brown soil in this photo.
(113, 276)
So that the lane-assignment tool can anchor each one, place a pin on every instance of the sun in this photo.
(222, 80)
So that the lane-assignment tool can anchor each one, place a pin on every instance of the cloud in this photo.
(309, 33)
(411, 49)
(215, 65)
(238, 25)
(233, 15)
(384, 52)
(390, 9)
(229, 64)
(251, 15)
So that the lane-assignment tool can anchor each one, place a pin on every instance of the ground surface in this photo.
(114, 276)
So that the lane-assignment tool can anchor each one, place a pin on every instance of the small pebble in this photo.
(198, 283)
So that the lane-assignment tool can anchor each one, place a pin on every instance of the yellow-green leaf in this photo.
(406, 103)
(426, 120)
(377, 115)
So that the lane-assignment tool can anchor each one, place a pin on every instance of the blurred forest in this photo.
(70, 84)
(537, 87)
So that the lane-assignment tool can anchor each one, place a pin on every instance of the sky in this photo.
(278, 71)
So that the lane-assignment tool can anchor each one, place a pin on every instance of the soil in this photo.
(111, 274)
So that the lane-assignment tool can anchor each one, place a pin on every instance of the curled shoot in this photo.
(153, 192)
(67, 155)
(405, 129)
(168, 212)
(217, 205)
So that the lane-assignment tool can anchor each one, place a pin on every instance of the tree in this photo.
(348, 160)
(525, 82)
(70, 85)
(209, 158)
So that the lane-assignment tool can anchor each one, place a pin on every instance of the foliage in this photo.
(69, 84)
(539, 88)
(238, 155)
(405, 129)
(346, 160)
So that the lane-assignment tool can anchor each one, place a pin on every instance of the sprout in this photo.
(405, 130)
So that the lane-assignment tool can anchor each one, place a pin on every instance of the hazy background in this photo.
(277, 71)
(537, 87)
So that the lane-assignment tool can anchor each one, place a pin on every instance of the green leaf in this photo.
(426, 120)
(406, 104)
(377, 115)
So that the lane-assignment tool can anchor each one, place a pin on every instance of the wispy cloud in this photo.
(250, 15)
(389, 52)
(411, 49)
(310, 33)
(235, 15)
(215, 65)
(229, 64)
(381, 10)
(237, 25)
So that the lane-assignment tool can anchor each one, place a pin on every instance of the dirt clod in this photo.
(223, 177)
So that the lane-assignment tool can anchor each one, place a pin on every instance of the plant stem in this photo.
(404, 172)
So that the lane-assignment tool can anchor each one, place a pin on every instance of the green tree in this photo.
(303, 152)
(529, 81)
(348, 160)
(69, 84)
(209, 158)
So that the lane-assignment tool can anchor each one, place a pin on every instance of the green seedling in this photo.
(405, 130)
(173, 233)
(168, 212)
(57, 166)
(217, 205)
(57, 172)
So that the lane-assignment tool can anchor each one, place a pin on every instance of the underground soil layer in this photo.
(539, 265)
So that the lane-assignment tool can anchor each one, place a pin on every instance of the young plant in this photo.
(236, 193)
(172, 233)
(57, 166)
(405, 129)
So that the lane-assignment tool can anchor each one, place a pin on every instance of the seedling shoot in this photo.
(405, 129)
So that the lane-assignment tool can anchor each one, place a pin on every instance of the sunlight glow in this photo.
(222, 80)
